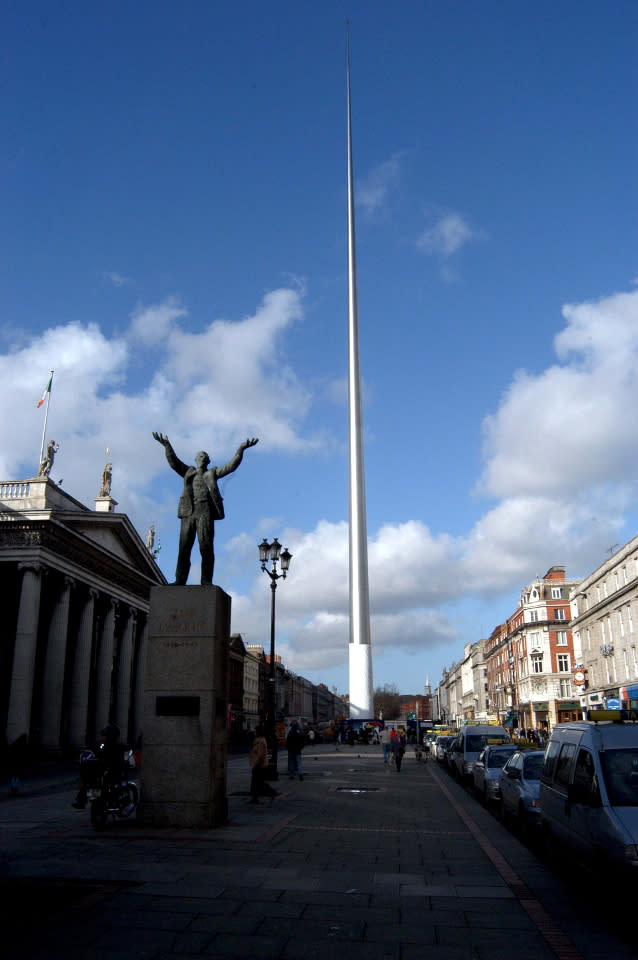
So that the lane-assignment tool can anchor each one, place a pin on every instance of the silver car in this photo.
(487, 768)
(441, 746)
(519, 783)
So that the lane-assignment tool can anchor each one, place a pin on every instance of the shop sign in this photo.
(569, 706)
(540, 707)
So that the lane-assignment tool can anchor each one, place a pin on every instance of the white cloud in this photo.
(571, 426)
(373, 189)
(559, 462)
(447, 235)
(228, 379)
(152, 324)
(85, 364)
(117, 279)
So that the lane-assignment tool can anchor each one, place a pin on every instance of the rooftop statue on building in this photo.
(105, 487)
(47, 461)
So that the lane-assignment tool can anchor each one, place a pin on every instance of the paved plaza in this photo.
(356, 862)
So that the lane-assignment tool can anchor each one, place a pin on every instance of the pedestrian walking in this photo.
(258, 759)
(386, 743)
(294, 745)
(398, 749)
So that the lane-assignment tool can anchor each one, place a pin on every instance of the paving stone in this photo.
(226, 947)
(395, 874)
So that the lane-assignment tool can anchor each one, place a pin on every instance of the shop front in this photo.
(541, 716)
(568, 710)
(629, 697)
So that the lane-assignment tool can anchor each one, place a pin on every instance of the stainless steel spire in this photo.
(360, 656)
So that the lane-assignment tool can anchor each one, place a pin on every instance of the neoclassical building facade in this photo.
(605, 624)
(75, 586)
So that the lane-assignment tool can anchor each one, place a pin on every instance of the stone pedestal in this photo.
(185, 707)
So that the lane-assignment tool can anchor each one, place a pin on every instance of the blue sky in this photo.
(173, 201)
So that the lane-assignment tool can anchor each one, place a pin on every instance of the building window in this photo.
(561, 638)
(622, 623)
(559, 614)
(605, 587)
(533, 616)
(534, 638)
(624, 574)
(556, 594)
(537, 663)
(565, 688)
(630, 622)
(562, 662)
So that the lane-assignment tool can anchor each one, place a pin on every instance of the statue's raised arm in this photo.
(173, 460)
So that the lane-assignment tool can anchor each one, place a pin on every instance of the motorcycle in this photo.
(108, 794)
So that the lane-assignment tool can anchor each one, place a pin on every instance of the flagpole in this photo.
(46, 417)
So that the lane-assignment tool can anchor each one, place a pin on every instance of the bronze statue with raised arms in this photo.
(199, 506)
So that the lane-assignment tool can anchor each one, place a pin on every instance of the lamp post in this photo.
(272, 552)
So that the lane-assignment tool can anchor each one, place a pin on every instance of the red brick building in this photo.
(530, 657)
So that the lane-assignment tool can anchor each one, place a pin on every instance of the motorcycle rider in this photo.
(110, 756)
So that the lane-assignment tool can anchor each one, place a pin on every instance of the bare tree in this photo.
(387, 702)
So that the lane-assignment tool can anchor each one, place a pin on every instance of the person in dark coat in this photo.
(398, 749)
(258, 760)
(109, 756)
(294, 745)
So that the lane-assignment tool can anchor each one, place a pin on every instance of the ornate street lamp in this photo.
(272, 553)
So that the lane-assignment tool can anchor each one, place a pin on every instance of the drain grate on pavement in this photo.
(357, 789)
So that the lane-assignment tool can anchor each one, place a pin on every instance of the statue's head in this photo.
(202, 459)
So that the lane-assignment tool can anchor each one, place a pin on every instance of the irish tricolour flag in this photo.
(47, 389)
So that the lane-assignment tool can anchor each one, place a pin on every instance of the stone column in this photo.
(55, 659)
(19, 715)
(105, 667)
(78, 713)
(140, 673)
(123, 680)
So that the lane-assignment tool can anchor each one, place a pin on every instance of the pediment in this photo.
(115, 534)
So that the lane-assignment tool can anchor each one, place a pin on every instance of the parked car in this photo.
(487, 768)
(519, 783)
(469, 742)
(589, 789)
(441, 748)
(429, 742)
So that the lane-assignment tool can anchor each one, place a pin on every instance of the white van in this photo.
(589, 787)
(470, 740)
